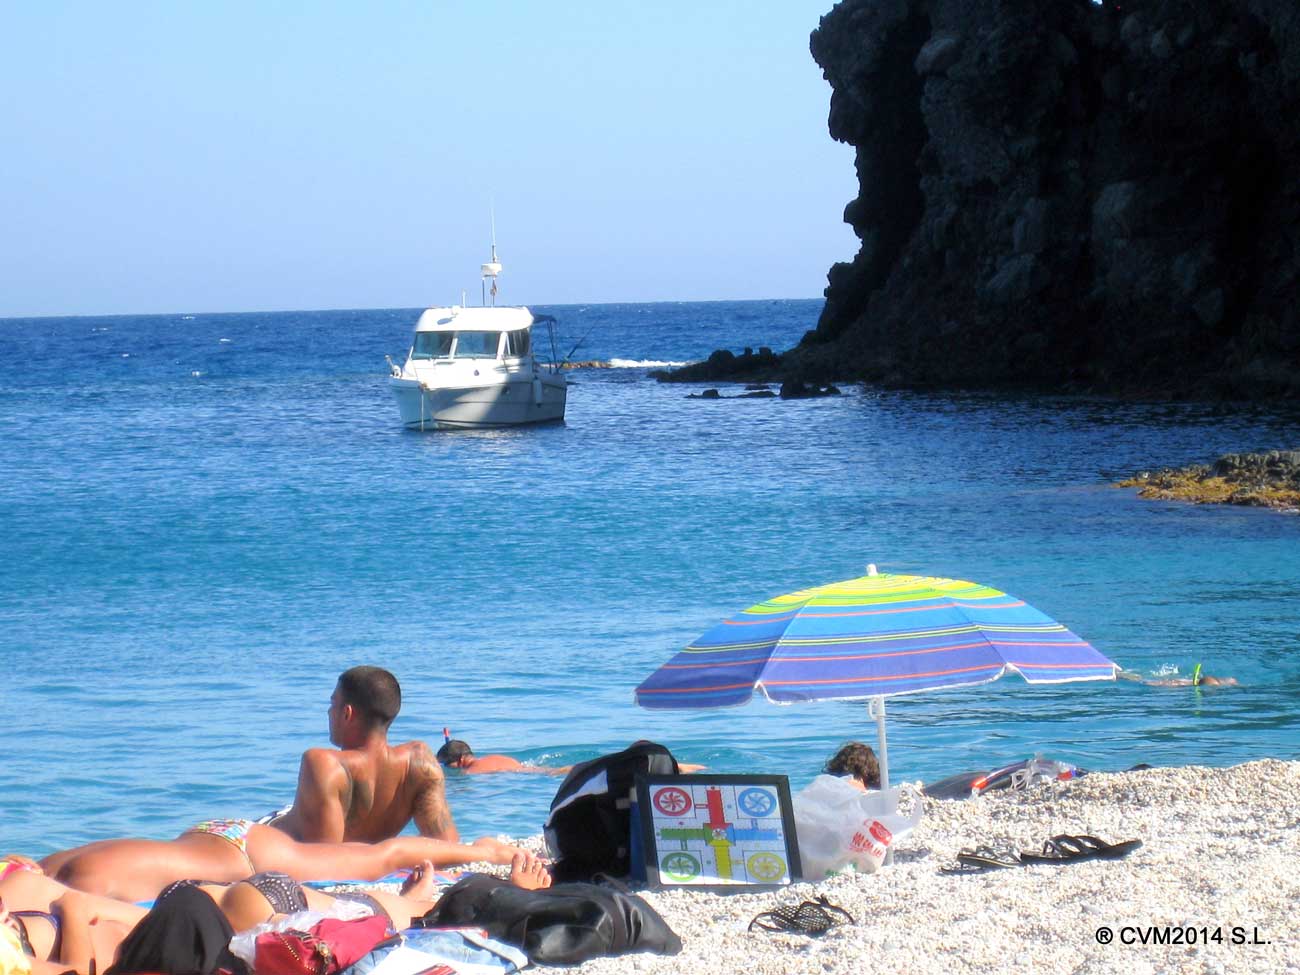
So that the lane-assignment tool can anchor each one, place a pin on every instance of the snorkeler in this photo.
(1198, 679)
(457, 754)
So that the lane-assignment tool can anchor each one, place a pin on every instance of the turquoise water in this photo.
(204, 519)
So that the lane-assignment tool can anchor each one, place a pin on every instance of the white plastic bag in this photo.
(840, 825)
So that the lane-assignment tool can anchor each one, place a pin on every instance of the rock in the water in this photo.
(796, 389)
(1269, 480)
(724, 364)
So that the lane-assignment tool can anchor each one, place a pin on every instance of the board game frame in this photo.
(650, 846)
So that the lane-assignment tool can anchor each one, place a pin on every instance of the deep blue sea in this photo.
(205, 518)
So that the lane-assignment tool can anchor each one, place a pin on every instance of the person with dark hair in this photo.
(61, 929)
(458, 755)
(366, 789)
(857, 761)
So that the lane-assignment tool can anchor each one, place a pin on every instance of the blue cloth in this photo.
(451, 946)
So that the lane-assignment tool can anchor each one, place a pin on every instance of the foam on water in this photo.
(644, 364)
(185, 567)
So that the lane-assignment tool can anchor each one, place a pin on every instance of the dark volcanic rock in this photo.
(723, 364)
(796, 389)
(717, 394)
(1066, 194)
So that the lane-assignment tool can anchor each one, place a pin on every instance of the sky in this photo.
(240, 156)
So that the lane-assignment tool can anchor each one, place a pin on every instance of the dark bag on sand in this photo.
(561, 925)
(184, 933)
(589, 828)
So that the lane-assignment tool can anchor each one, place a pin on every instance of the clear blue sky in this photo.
(233, 156)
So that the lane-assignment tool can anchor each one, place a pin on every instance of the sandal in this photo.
(810, 917)
(1065, 848)
(984, 858)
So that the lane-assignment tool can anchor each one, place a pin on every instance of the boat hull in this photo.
(508, 404)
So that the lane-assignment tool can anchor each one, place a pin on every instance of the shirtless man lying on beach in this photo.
(366, 790)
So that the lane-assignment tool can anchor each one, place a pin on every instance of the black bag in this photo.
(560, 925)
(589, 827)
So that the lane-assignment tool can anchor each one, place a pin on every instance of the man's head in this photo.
(1209, 681)
(857, 760)
(455, 753)
(365, 701)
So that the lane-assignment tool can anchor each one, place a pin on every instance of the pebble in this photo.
(1220, 848)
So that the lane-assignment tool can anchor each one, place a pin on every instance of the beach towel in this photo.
(464, 951)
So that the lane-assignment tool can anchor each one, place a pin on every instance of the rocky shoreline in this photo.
(1268, 480)
(1087, 197)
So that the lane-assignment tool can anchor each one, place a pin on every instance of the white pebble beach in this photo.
(1220, 853)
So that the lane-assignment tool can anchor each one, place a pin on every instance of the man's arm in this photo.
(430, 809)
(320, 804)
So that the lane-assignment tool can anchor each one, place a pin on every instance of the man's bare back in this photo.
(367, 790)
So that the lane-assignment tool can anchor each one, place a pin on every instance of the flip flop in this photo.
(1065, 848)
(983, 858)
(810, 917)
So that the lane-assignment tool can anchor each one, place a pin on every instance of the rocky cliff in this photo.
(1066, 194)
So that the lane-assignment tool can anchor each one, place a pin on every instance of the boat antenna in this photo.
(578, 343)
(493, 267)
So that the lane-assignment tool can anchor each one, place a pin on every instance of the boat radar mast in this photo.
(492, 268)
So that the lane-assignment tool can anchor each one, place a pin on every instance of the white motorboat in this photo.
(478, 367)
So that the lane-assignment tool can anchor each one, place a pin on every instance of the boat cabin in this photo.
(473, 333)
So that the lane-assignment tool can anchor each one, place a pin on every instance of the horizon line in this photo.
(281, 311)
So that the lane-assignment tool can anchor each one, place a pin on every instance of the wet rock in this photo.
(1269, 479)
(796, 389)
(724, 364)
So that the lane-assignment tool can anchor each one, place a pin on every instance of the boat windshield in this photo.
(477, 345)
(469, 345)
(432, 345)
(518, 343)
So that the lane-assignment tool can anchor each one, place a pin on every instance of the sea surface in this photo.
(204, 518)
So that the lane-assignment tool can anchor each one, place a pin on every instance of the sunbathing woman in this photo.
(64, 928)
(226, 851)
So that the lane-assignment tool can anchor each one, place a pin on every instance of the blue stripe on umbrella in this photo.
(878, 635)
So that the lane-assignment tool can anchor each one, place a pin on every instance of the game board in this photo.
(717, 830)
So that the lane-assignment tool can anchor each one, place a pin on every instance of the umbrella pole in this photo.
(876, 708)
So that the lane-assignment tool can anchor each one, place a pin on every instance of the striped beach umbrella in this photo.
(872, 637)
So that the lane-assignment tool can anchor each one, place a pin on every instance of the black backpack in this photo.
(560, 925)
(589, 828)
